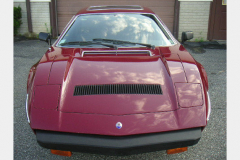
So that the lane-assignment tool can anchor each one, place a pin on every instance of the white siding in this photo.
(24, 26)
(40, 16)
(194, 17)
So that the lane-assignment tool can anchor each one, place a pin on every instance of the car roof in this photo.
(115, 8)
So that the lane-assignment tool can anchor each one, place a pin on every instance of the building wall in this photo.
(40, 17)
(194, 16)
(67, 8)
(24, 26)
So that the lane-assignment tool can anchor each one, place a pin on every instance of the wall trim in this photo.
(29, 17)
(176, 19)
(53, 22)
(211, 20)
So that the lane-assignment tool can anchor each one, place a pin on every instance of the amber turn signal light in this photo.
(176, 150)
(61, 153)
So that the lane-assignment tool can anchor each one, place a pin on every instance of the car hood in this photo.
(55, 107)
(137, 70)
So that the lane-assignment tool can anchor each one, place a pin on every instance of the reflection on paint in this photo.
(192, 73)
(189, 94)
(120, 72)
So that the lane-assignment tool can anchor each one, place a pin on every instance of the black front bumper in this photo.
(115, 145)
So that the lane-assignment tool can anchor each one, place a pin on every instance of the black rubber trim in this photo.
(118, 145)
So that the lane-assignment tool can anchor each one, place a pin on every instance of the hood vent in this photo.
(117, 89)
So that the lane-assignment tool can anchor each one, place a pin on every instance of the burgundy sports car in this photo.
(117, 82)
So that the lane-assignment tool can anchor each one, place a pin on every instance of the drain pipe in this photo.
(56, 17)
(29, 17)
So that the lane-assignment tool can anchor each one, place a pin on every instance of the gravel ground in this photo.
(211, 146)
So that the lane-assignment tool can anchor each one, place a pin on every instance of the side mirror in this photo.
(186, 36)
(45, 37)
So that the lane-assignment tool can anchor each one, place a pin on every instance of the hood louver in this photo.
(117, 89)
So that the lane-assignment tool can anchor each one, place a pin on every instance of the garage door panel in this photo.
(156, 3)
(167, 20)
(164, 11)
(66, 9)
(69, 10)
(92, 2)
(170, 28)
(64, 19)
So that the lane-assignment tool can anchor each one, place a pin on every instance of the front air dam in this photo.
(118, 145)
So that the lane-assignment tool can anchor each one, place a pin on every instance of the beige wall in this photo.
(40, 16)
(24, 26)
(194, 17)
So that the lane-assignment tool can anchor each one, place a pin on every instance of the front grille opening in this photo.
(117, 89)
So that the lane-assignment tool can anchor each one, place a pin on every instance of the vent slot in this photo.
(117, 89)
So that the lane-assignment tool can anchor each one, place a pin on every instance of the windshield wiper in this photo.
(127, 42)
(88, 43)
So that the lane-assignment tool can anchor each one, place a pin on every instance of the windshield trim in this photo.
(156, 18)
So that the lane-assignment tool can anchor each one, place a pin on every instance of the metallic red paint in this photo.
(105, 124)
(99, 114)
(115, 70)
(189, 94)
(65, 67)
(48, 100)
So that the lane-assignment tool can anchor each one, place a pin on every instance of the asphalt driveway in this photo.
(211, 146)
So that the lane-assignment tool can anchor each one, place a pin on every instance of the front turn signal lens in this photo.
(176, 150)
(61, 153)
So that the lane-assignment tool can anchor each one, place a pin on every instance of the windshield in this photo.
(137, 28)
